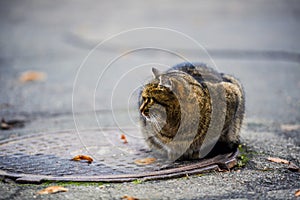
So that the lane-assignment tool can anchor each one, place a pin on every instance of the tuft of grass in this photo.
(243, 158)
(137, 181)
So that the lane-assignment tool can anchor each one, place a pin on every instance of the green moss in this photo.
(62, 183)
(72, 183)
(137, 181)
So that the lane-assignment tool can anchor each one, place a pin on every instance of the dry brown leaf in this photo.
(278, 160)
(297, 193)
(32, 76)
(4, 125)
(129, 198)
(290, 127)
(294, 168)
(15, 123)
(123, 137)
(52, 189)
(145, 161)
(89, 159)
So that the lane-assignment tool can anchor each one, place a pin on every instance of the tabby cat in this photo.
(191, 111)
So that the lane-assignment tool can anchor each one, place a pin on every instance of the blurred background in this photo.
(256, 41)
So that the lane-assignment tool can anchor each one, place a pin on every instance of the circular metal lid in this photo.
(48, 156)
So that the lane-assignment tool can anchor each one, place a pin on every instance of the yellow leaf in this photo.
(297, 193)
(123, 137)
(32, 76)
(145, 161)
(52, 189)
(129, 198)
(278, 160)
(83, 157)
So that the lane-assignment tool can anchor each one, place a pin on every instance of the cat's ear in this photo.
(166, 82)
(156, 72)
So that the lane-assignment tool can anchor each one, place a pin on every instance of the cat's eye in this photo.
(147, 99)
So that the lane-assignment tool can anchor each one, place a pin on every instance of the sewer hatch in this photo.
(47, 157)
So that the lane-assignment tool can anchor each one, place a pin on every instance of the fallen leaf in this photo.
(89, 159)
(5, 125)
(52, 189)
(32, 76)
(123, 137)
(297, 193)
(145, 161)
(294, 168)
(129, 198)
(278, 160)
(290, 127)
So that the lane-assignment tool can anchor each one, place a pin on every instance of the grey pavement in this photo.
(256, 41)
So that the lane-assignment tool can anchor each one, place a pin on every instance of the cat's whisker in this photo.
(158, 117)
(158, 126)
(155, 122)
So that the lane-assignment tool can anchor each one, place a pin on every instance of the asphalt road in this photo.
(256, 41)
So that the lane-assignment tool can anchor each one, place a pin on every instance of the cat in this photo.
(191, 111)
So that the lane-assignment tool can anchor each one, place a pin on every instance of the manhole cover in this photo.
(47, 156)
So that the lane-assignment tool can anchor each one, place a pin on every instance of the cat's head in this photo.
(162, 93)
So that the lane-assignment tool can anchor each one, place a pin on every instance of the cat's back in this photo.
(199, 71)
